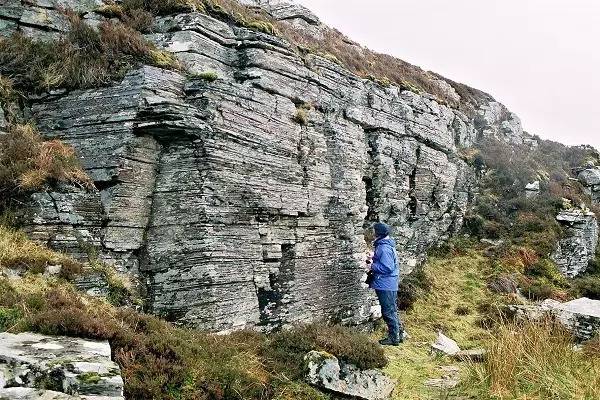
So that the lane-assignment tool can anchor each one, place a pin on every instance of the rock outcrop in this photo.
(590, 179)
(230, 209)
(578, 248)
(35, 366)
(327, 372)
(581, 316)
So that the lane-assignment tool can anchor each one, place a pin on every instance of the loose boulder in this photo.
(72, 367)
(581, 316)
(326, 372)
(445, 345)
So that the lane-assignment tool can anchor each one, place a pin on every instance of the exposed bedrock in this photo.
(578, 247)
(242, 202)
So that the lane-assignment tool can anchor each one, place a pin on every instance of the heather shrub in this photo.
(289, 347)
(159, 360)
(412, 287)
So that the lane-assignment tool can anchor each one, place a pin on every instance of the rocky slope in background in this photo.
(242, 201)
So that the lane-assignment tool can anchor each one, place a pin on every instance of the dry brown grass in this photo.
(19, 253)
(86, 57)
(27, 162)
(537, 360)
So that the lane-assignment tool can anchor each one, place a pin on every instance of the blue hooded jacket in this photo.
(385, 265)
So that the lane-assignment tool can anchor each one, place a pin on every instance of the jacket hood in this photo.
(385, 240)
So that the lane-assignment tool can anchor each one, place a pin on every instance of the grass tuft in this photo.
(209, 76)
(536, 360)
(27, 162)
(19, 253)
(86, 57)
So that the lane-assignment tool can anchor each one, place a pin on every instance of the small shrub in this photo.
(412, 287)
(301, 117)
(588, 286)
(289, 347)
(9, 317)
(544, 268)
(110, 10)
(261, 26)
(541, 289)
(86, 57)
(139, 19)
(165, 7)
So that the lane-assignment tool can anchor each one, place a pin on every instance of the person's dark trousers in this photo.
(389, 311)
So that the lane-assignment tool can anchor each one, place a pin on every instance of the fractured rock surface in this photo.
(590, 179)
(230, 212)
(581, 316)
(71, 366)
(326, 372)
(575, 251)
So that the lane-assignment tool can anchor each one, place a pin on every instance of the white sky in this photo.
(541, 58)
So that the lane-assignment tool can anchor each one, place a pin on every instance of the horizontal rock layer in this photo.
(578, 247)
(242, 201)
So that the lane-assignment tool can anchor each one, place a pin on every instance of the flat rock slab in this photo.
(21, 393)
(326, 372)
(473, 355)
(71, 366)
(445, 345)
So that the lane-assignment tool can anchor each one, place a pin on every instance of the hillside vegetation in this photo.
(526, 228)
(88, 57)
(158, 360)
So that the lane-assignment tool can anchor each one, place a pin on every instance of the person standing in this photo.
(386, 273)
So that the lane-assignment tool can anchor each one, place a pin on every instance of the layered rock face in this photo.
(578, 248)
(242, 202)
(590, 179)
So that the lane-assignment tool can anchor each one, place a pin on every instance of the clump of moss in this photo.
(209, 76)
(89, 377)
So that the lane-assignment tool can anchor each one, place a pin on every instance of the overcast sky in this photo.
(541, 58)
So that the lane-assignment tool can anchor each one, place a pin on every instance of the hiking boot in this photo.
(389, 342)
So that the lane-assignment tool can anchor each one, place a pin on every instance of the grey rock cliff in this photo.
(581, 316)
(231, 212)
(578, 248)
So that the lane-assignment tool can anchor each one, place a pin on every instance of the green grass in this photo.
(456, 281)
(209, 76)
